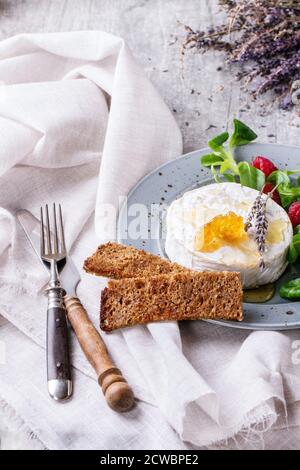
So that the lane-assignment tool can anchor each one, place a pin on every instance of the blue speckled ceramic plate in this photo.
(169, 182)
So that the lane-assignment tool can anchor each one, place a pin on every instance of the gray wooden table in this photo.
(203, 102)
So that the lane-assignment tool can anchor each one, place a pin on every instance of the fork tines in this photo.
(52, 243)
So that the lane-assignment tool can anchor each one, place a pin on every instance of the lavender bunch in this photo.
(263, 38)
(288, 69)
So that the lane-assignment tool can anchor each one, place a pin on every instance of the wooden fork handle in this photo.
(116, 390)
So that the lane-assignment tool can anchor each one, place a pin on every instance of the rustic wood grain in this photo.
(119, 396)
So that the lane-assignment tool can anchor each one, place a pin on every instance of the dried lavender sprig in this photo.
(256, 207)
(286, 69)
(283, 3)
(261, 228)
(257, 218)
(264, 34)
(264, 46)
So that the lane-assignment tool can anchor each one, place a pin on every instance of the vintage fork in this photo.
(53, 251)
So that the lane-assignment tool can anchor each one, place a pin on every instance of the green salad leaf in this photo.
(294, 248)
(292, 254)
(242, 134)
(211, 159)
(287, 190)
(250, 176)
(290, 289)
(292, 172)
(278, 177)
(288, 193)
(222, 161)
(217, 142)
(229, 177)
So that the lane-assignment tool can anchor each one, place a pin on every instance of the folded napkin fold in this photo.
(81, 124)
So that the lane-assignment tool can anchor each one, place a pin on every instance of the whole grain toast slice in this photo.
(118, 261)
(187, 295)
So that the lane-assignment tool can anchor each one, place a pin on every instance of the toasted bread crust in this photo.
(181, 296)
(120, 262)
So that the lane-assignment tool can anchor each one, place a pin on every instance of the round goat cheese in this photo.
(205, 232)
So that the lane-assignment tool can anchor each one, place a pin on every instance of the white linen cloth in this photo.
(81, 124)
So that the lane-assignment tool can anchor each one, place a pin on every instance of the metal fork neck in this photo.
(54, 291)
(54, 277)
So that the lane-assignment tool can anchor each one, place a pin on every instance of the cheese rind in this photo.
(189, 214)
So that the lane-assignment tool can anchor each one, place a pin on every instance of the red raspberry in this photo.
(264, 164)
(275, 196)
(294, 213)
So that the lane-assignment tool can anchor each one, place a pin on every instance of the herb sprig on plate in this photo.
(222, 163)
